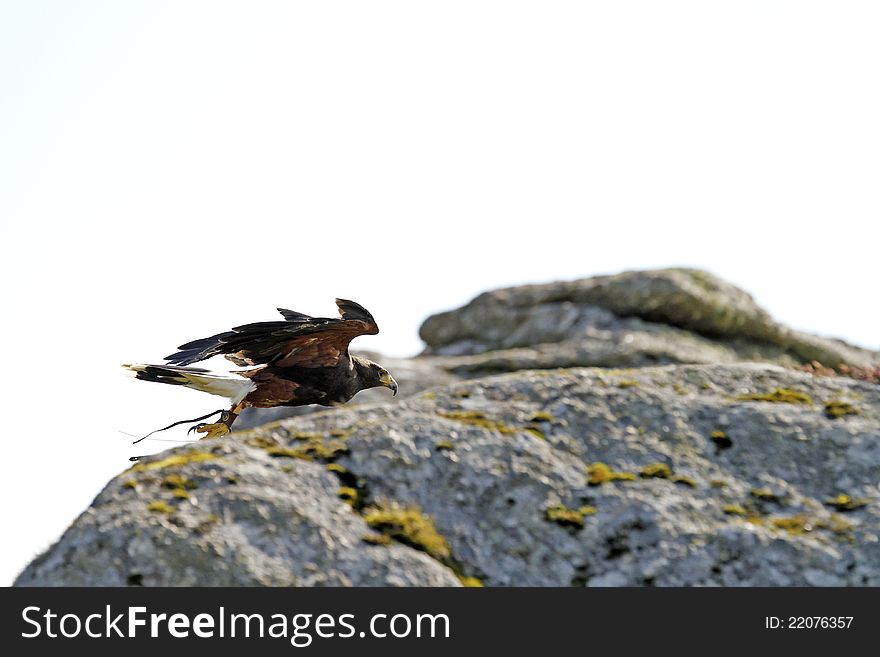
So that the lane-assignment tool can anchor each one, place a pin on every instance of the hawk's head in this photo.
(373, 375)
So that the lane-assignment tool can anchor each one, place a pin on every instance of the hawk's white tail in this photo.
(231, 386)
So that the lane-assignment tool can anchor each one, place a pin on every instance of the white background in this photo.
(170, 169)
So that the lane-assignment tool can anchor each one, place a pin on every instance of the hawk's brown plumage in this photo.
(299, 340)
(300, 360)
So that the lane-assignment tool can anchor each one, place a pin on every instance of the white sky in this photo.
(169, 169)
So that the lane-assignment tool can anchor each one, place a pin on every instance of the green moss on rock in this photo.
(176, 480)
(794, 525)
(601, 473)
(470, 582)
(306, 436)
(311, 447)
(262, 442)
(376, 539)
(764, 493)
(844, 502)
(478, 419)
(288, 452)
(735, 510)
(175, 461)
(411, 527)
(160, 506)
(800, 524)
(562, 515)
(348, 494)
(836, 408)
(656, 471)
(779, 396)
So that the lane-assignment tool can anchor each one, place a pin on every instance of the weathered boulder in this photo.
(725, 474)
(226, 514)
(629, 319)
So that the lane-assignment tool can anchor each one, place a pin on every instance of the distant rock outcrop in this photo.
(716, 473)
(627, 320)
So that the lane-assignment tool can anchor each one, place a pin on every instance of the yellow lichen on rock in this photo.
(409, 526)
(779, 396)
(175, 461)
(656, 471)
(562, 515)
(160, 506)
(600, 473)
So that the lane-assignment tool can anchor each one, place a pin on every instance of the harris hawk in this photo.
(296, 361)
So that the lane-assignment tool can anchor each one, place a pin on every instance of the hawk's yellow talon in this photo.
(213, 430)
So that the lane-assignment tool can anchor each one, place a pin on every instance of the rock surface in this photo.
(712, 475)
(226, 514)
(518, 453)
(630, 319)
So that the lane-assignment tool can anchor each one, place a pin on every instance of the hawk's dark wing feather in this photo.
(300, 340)
(293, 316)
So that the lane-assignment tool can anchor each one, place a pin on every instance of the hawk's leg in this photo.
(221, 428)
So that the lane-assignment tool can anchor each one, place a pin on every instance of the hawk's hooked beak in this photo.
(388, 381)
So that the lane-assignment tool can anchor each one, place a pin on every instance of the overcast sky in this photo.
(171, 169)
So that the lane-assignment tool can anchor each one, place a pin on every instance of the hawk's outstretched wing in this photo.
(298, 341)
